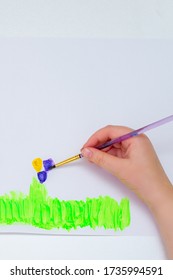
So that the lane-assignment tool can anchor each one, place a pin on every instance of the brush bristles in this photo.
(52, 167)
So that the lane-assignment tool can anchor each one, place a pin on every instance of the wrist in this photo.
(161, 198)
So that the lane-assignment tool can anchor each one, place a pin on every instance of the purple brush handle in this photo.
(136, 132)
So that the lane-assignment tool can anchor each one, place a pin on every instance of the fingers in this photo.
(104, 160)
(105, 134)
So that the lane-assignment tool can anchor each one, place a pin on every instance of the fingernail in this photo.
(86, 153)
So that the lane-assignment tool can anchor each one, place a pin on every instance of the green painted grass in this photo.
(40, 210)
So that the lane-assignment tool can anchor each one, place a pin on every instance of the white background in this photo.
(110, 88)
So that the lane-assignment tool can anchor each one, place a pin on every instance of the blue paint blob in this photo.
(48, 164)
(42, 176)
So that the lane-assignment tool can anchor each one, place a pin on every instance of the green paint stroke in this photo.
(42, 211)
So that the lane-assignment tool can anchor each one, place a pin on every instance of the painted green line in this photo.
(40, 210)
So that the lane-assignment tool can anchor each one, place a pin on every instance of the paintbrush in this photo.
(118, 139)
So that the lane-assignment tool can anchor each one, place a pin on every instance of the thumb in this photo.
(109, 162)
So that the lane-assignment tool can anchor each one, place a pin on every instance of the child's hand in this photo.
(133, 161)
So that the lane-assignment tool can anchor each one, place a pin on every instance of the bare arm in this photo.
(163, 214)
(135, 163)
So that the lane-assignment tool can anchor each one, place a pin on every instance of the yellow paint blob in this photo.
(37, 164)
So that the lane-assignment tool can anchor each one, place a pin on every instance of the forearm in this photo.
(162, 211)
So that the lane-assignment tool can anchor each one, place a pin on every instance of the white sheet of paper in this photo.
(54, 93)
